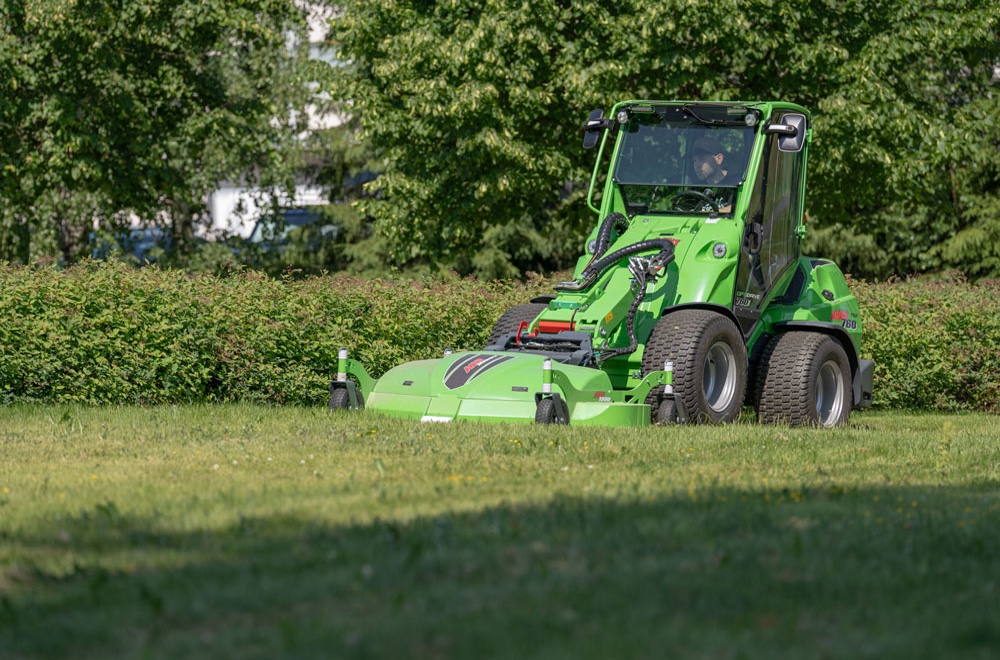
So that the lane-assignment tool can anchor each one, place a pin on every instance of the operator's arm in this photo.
(724, 199)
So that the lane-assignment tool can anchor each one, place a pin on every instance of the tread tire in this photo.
(511, 320)
(340, 399)
(687, 337)
(666, 413)
(545, 412)
(789, 376)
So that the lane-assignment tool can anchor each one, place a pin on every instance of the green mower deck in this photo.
(497, 386)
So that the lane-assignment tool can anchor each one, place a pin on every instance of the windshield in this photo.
(688, 159)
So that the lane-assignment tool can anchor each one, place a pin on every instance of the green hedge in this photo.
(108, 333)
(936, 344)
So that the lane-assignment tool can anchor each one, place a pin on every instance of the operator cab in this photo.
(683, 159)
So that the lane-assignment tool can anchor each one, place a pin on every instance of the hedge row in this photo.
(107, 333)
(936, 344)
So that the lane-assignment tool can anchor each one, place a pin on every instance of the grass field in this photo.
(238, 531)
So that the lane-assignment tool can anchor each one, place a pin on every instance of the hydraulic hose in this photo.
(595, 268)
(633, 343)
(614, 222)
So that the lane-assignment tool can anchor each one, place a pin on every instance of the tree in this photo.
(475, 108)
(120, 107)
(910, 143)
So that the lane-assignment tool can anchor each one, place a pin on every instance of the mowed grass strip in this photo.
(242, 531)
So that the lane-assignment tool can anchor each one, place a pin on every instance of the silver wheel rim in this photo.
(829, 394)
(718, 381)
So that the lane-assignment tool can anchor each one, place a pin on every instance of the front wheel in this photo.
(804, 379)
(710, 366)
(667, 413)
(340, 398)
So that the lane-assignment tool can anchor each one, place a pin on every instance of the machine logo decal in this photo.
(470, 367)
(842, 316)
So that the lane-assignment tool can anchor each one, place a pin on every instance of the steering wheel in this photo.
(695, 199)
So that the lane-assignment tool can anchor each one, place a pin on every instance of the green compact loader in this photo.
(692, 300)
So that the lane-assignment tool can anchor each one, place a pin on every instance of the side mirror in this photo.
(792, 133)
(592, 129)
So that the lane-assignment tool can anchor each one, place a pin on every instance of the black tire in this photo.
(666, 412)
(753, 374)
(340, 399)
(545, 412)
(710, 365)
(804, 379)
(511, 320)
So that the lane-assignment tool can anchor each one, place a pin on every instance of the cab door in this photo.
(771, 239)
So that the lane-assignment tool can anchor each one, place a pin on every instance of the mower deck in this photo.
(495, 386)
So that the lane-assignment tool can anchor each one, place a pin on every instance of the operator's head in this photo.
(707, 157)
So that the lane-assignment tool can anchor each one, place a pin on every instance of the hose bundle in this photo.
(641, 270)
(598, 266)
(614, 222)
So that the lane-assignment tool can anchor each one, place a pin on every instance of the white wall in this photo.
(234, 210)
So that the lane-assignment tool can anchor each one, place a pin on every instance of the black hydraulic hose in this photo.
(633, 343)
(663, 244)
(614, 221)
(595, 268)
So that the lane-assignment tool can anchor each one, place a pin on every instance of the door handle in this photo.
(754, 239)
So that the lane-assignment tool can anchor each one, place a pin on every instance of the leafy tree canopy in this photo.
(475, 109)
(138, 106)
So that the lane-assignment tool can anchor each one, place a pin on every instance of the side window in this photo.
(772, 218)
(781, 213)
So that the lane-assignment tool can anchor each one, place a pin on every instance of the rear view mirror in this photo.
(792, 132)
(592, 129)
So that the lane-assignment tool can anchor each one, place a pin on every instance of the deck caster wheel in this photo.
(346, 397)
(549, 411)
(340, 400)
(667, 413)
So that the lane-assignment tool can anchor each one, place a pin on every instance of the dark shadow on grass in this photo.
(880, 573)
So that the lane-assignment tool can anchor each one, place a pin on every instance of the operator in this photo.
(706, 161)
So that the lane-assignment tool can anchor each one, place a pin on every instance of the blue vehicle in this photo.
(142, 245)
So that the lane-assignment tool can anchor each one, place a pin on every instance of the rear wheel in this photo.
(511, 320)
(710, 366)
(804, 378)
